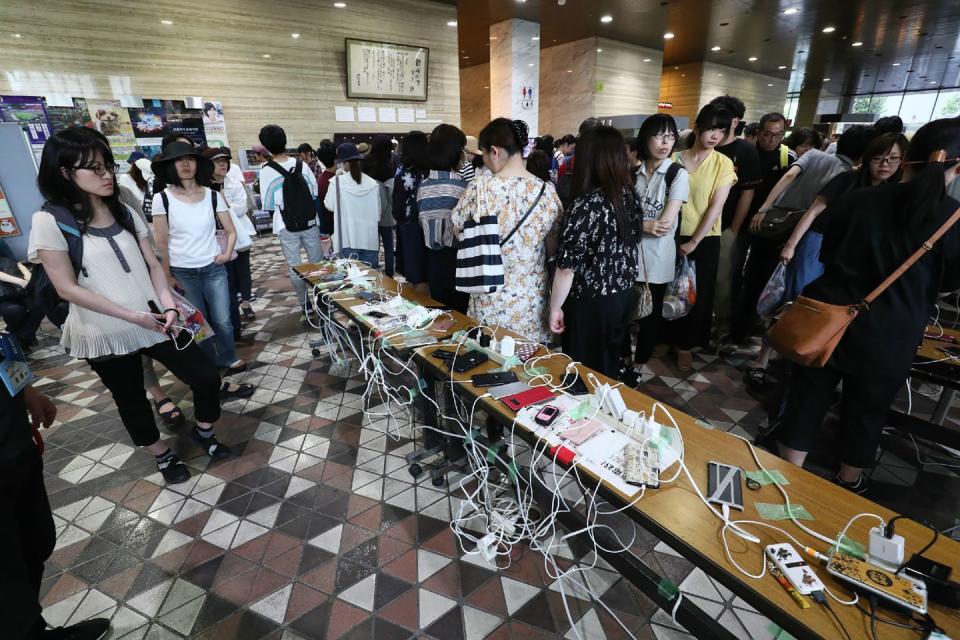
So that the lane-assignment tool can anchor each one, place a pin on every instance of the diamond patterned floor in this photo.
(315, 529)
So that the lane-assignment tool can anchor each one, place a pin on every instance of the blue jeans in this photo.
(207, 289)
(366, 256)
(291, 242)
(805, 266)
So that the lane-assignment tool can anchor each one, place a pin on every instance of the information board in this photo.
(381, 70)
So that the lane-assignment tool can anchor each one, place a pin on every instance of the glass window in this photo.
(917, 109)
(948, 104)
(790, 107)
(883, 105)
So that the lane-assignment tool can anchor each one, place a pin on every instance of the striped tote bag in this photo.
(479, 262)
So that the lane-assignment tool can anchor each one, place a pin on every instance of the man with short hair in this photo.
(274, 139)
(307, 157)
(746, 165)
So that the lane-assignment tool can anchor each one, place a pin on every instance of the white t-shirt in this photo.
(192, 241)
(271, 189)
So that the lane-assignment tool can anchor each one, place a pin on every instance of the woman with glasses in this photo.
(661, 187)
(117, 296)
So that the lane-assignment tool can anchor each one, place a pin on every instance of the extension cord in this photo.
(504, 523)
(486, 548)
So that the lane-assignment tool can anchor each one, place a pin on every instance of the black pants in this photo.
(596, 329)
(22, 318)
(693, 330)
(386, 237)
(234, 303)
(123, 376)
(27, 537)
(763, 259)
(442, 276)
(864, 405)
(647, 329)
(241, 270)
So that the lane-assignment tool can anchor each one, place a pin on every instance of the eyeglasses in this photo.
(774, 136)
(100, 169)
(665, 137)
(889, 160)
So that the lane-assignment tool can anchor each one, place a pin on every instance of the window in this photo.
(948, 104)
(917, 109)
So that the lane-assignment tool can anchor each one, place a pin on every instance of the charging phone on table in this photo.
(901, 590)
(532, 395)
(493, 379)
(466, 361)
(547, 415)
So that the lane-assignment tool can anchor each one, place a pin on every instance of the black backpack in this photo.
(40, 287)
(298, 208)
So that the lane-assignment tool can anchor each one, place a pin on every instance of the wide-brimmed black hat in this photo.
(177, 150)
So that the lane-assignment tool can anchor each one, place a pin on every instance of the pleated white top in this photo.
(86, 333)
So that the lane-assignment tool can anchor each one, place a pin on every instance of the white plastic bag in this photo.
(681, 294)
(771, 298)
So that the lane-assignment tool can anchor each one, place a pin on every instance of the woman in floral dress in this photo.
(521, 304)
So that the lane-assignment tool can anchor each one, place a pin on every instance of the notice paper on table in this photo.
(406, 115)
(343, 114)
(366, 114)
(388, 114)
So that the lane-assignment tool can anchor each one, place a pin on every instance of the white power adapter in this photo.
(504, 523)
(884, 551)
(487, 548)
(507, 346)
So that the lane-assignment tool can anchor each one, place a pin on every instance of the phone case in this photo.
(902, 590)
(493, 379)
(795, 568)
(504, 390)
(466, 361)
(528, 397)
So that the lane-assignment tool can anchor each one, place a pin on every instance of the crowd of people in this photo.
(615, 248)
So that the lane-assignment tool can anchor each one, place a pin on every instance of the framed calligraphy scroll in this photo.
(386, 71)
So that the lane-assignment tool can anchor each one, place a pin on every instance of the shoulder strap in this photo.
(919, 253)
(166, 202)
(213, 201)
(543, 187)
(276, 167)
(784, 156)
(298, 168)
(672, 172)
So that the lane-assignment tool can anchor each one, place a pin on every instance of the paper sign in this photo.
(8, 224)
(343, 114)
(406, 115)
(366, 114)
(421, 113)
(388, 114)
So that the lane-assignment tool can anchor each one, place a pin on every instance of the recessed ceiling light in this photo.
(646, 59)
(857, 44)
(487, 87)
(535, 38)
(896, 64)
(606, 19)
(599, 50)
(294, 35)
(167, 22)
(569, 70)
(933, 82)
(266, 55)
(714, 48)
(16, 35)
(829, 29)
(529, 64)
(782, 66)
(826, 79)
(451, 23)
(340, 5)
(493, 37)
(668, 35)
(791, 11)
(720, 75)
(752, 58)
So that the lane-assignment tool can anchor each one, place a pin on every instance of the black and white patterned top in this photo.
(591, 247)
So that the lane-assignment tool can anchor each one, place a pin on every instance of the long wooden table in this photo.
(676, 515)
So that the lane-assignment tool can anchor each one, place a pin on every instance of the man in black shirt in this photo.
(774, 159)
(746, 164)
(27, 533)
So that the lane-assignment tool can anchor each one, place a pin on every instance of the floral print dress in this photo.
(521, 304)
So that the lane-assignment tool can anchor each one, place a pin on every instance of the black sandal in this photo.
(243, 390)
(237, 368)
(756, 377)
(174, 417)
(248, 313)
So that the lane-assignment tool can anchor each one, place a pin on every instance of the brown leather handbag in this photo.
(807, 331)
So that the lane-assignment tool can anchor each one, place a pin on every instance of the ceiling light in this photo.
(933, 82)
(791, 11)
(896, 64)
(646, 59)
(569, 70)
(599, 50)
(340, 5)
(668, 35)
(16, 35)
(606, 19)
(487, 87)
(535, 38)
(769, 84)
(829, 29)
(720, 75)
(714, 48)
(857, 44)
(493, 37)
(752, 58)
(783, 66)
(168, 22)
(266, 55)
(529, 64)
(826, 79)
(294, 35)
(452, 23)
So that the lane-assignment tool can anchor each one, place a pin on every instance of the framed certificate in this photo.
(386, 71)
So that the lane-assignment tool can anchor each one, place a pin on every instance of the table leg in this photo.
(943, 406)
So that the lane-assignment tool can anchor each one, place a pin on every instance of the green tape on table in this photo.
(769, 511)
(492, 451)
(532, 373)
(852, 547)
(580, 411)
(512, 471)
(778, 633)
(412, 392)
(667, 589)
(767, 477)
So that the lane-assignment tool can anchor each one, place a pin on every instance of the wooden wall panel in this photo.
(566, 86)
(109, 48)
(624, 83)
(680, 85)
(761, 94)
(474, 98)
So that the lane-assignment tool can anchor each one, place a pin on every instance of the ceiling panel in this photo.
(906, 44)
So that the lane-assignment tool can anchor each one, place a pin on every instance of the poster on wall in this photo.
(147, 122)
(179, 119)
(386, 71)
(213, 124)
(8, 224)
(28, 112)
(61, 118)
(113, 121)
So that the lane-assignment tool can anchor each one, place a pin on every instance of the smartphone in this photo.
(493, 379)
(534, 395)
(155, 309)
(724, 485)
(377, 314)
(368, 296)
(547, 415)
(469, 360)
(902, 590)
(953, 352)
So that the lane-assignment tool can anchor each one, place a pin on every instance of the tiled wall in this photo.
(690, 86)
(566, 86)
(474, 98)
(215, 49)
(624, 82)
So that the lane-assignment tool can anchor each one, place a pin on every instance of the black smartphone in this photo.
(377, 314)
(493, 379)
(155, 309)
(578, 388)
(469, 360)
(368, 296)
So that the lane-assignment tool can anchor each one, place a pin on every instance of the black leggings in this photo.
(763, 259)
(241, 271)
(864, 405)
(596, 329)
(693, 330)
(647, 329)
(123, 376)
(27, 537)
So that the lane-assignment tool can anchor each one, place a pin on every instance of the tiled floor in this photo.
(315, 529)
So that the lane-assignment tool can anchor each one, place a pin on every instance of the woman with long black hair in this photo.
(114, 298)
(593, 296)
(869, 233)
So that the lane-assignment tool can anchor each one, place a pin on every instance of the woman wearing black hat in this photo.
(355, 200)
(113, 297)
(185, 220)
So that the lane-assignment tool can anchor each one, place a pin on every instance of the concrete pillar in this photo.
(515, 71)
(807, 103)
